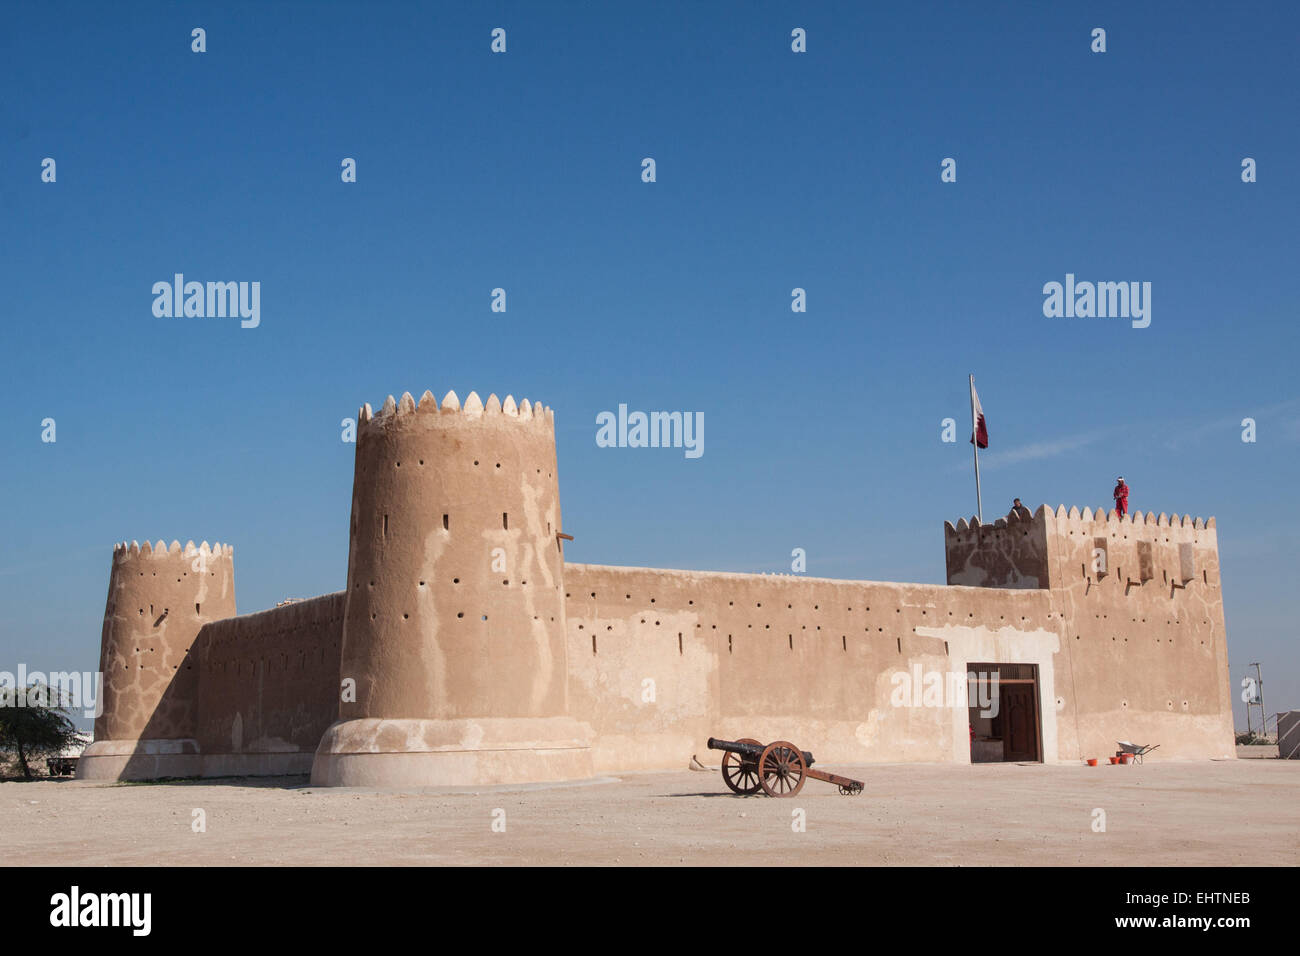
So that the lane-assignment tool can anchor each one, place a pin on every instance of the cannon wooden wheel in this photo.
(781, 769)
(740, 773)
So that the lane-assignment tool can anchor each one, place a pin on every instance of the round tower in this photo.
(454, 664)
(158, 599)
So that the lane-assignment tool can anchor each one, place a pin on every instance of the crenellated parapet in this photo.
(1038, 549)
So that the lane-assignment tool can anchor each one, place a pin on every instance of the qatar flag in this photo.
(980, 436)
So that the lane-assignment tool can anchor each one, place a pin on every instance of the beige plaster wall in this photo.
(269, 685)
(662, 660)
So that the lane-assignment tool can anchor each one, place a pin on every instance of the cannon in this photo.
(778, 769)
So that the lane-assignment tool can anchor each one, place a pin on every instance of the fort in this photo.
(464, 649)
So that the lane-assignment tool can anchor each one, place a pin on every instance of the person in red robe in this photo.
(1120, 495)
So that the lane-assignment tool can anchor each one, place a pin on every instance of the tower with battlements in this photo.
(1144, 653)
(159, 598)
(454, 665)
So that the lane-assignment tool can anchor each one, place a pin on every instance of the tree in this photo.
(40, 726)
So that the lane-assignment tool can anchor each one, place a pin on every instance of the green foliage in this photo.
(38, 729)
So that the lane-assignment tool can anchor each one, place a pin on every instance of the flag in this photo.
(980, 436)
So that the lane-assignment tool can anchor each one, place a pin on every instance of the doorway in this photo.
(1004, 723)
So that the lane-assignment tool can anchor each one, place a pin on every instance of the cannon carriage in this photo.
(779, 769)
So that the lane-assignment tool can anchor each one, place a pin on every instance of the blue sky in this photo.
(775, 170)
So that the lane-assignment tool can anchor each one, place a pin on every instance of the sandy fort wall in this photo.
(659, 661)
(269, 687)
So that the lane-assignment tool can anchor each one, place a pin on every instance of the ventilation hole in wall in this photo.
(652, 600)
(900, 645)
(421, 584)
(844, 641)
(455, 580)
(196, 609)
(789, 605)
(1205, 577)
(385, 526)
(505, 521)
(679, 643)
(817, 607)
(688, 602)
(406, 617)
(150, 608)
(498, 464)
(593, 593)
(485, 617)
(142, 610)
(458, 614)
(728, 643)
(476, 463)
(730, 603)
(656, 623)
(790, 637)
(945, 647)
(593, 645)
(399, 464)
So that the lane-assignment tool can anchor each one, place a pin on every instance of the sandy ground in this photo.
(1205, 813)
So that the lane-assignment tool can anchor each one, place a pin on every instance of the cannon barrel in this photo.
(752, 751)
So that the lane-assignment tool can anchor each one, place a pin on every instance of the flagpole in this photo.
(974, 425)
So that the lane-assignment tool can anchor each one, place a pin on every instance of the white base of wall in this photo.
(139, 760)
(374, 752)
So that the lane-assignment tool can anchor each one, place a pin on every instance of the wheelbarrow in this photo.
(1137, 750)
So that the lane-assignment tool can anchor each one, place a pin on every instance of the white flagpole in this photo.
(974, 434)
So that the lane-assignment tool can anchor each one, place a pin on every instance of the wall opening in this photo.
(505, 521)
(446, 522)
(1005, 726)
